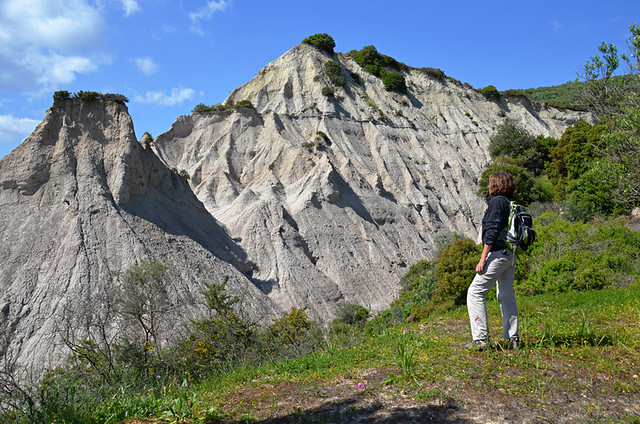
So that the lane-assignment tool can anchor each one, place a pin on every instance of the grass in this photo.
(579, 362)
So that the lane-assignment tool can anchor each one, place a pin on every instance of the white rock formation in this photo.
(342, 221)
(80, 200)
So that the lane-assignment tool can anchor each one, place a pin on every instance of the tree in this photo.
(521, 146)
(573, 154)
(144, 300)
(616, 103)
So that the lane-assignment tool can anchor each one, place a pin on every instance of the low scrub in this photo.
(322, 41)
(334, 72)
(242, 104)
(90, 95)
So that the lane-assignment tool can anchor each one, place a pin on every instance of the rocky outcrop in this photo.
(333, 197)
(82, 201)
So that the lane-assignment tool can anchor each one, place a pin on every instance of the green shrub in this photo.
(201, 108)
(328, 91)
(591, 195)
(434, 72)
(454, 271)
(87, 95)
(321, 41)
(62, 94)
(515, 93)
(334, 72)
(522, 147)
(573, 154)
(570, 256)
(291, 335)
(490, 92)
(375, 63)
(418, 286)
(394, 81)
(353, 314)
(242, 104)
(118, 98)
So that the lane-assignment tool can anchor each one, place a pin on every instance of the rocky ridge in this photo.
(333, 197)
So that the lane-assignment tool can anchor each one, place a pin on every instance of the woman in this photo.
(497, 264)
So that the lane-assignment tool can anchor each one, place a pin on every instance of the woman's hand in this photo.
(483, 258)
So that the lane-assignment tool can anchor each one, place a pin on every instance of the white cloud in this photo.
(14, 130)
(178, 95)
(45, 43)
(146, 65)
(206, 12)
(557, 26)
(130, 7)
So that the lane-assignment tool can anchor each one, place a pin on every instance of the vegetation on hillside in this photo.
(242, 104)
(90, 95)
(378, 65)
(321, 41)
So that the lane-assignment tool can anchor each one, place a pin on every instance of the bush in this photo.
(202, 108)
(490, 92)
(522, 147)
(434, 72)
(290, 335)
(321, 41)
(91, 95)
(578, 256)
(327, 91)
(334, 72)
(418, 286)
(454, 270)
(573, 154)
(394, 81)
(591, 195)
(352, 314)
(375, 63)
(61, 94)
(515, 93)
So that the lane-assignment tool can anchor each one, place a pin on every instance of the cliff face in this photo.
(333, 197)
(82, 201)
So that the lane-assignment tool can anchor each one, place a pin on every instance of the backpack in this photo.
(519, 233)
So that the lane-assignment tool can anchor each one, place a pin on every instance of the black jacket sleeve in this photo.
(495, 220)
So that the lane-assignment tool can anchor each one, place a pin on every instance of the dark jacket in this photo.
(495, 220)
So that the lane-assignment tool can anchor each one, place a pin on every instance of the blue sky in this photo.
(167, 56)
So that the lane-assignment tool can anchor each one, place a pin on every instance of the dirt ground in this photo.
(343, 402)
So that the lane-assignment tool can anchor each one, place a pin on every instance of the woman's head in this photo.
(501, 183)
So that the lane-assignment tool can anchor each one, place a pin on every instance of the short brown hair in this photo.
(501, 183)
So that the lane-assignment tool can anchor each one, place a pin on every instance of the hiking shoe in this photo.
(478, 345)
(513, 344)
(508, 344)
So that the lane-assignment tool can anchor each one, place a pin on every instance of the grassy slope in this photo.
(567, 93)
(579, 363)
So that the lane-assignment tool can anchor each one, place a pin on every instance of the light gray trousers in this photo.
(499, 268)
